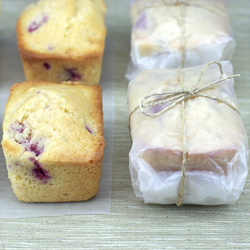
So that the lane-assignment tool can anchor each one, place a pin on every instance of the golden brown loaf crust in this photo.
(62, 40)
(53, 141)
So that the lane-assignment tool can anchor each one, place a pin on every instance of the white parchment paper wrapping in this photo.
(160, 27)
(216, 140)
(11, 72)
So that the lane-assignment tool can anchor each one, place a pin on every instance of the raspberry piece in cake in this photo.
(47, 66)
(37, 24)
(40, 173)
(89, 130)
(18, 127)
(73, 75)
(36, 148)
(25, 139)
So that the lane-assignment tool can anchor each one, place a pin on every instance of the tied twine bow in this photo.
(171, 99)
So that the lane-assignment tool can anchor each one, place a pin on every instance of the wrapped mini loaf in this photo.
(53, 141)
(207, 129)
(173, 33)
(62, 40)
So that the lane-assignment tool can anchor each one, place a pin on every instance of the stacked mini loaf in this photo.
(163, 30)
(62, 40)
(53, 133)
(189, 145)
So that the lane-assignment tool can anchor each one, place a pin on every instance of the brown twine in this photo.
(171, 99)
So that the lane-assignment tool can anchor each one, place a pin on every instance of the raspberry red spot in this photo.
(32, 159)
(33, 147)
(40, 173)
(73, 74)
(50, 48)
(47, 66)
(33, 26)
(89, 130)
(18, 127)
(38, 92)
(37, 24)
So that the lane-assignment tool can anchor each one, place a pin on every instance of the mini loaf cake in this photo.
(215, 139)
(62, 40)
(53, 141)
(163, 30)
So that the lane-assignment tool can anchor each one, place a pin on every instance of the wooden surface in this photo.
(132, 224)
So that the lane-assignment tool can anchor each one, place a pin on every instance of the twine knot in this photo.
(190, 93)
(171, 99)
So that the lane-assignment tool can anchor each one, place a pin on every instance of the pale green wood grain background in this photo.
(132, 224)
